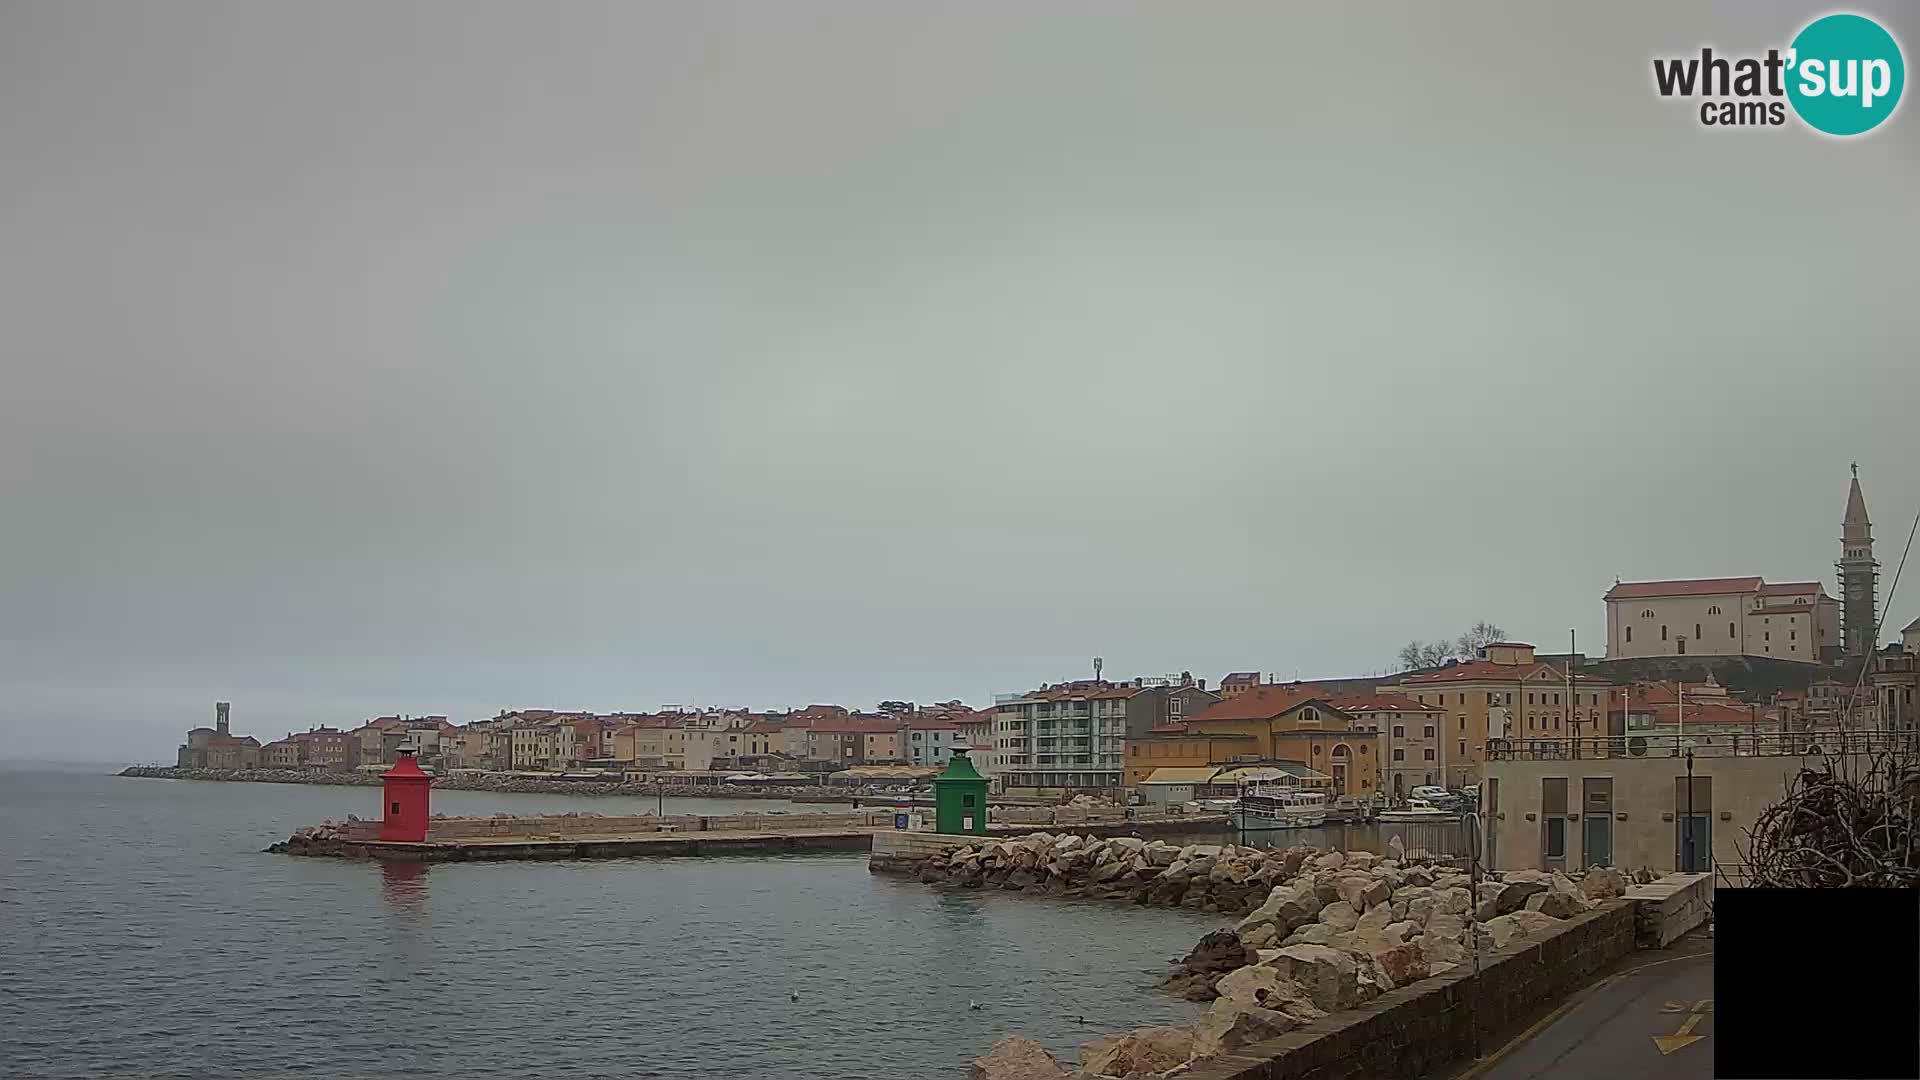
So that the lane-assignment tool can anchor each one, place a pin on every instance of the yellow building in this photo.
(1508, 695)
(1276, 723)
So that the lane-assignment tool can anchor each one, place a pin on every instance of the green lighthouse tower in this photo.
(960, 798)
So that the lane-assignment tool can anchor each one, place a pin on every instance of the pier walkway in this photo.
(1652, 1019)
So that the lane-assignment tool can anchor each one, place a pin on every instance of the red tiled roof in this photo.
(1791, 588)
(1481, 671)
(932, 723)
(1260, 703)
(1625, 590)
(855, 725)
(1241, 677)
(1360, 703)
(1081, 688)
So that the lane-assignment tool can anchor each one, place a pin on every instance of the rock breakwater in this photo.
(1319, 932)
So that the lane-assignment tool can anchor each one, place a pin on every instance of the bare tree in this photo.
(1477, 637)
(1427, 654)
(1424, 654)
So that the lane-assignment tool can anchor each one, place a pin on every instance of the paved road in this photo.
(1662, 1002)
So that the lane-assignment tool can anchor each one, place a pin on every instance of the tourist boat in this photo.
(1416, 810)
(1280, 808)
(1212, 806)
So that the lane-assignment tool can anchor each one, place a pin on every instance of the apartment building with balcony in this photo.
(1064, 738)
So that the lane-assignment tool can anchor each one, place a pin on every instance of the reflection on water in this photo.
(404, 885)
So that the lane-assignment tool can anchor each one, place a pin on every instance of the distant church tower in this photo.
(1859, 575)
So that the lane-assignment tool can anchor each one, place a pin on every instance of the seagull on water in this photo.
(793, 995)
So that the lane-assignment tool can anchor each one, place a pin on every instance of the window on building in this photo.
(1463, 750)
(1509, 697)
(1399, 731)
(1529, 699)
(1663, 633)
(1556, 699)
(1714, 610)
(1793, 635)
(1556, 838)
(1463, 699)
(1696, 631)
(1647, 614)
(1629, 633)
(1766, 635)
(1429, 753)
(1429, 731)
(1729, 629)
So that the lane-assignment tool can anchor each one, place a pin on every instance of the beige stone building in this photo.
(1408, 737)
(1506, 695)
(1742, 616)
(1552, 812)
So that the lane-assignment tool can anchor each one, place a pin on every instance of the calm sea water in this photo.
(143, 933)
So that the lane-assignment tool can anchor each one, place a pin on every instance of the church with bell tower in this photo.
(1859, 575)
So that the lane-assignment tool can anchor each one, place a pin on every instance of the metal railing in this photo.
(1705, 743)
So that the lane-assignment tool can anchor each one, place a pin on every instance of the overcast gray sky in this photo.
(447, 357)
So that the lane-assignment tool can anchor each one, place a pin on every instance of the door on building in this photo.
(1553, 823)
(1696, 844)
(1596, 821)
(1693, 825)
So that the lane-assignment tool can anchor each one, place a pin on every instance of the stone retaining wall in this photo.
(1440, 1021)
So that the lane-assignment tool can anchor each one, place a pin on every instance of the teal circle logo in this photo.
(1845, 74)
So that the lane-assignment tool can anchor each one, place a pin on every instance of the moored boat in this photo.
(1280, 808)
(1416, 810)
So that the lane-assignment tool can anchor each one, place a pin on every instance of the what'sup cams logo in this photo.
(1842, 75)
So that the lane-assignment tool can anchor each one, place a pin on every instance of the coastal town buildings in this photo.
(1747, 616)
(1408, 737)
(1895, 675)
(1742, 616)
(217, 747)
(1277, 724)
(1508, 695)
(1164, 700)
(1065, 737)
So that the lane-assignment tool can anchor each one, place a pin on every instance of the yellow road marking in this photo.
(1685, 1037)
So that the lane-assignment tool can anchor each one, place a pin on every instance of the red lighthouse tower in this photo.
(406, 801)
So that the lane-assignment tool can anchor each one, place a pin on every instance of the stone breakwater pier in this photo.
(595, 836)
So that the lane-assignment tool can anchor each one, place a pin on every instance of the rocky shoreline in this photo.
(1318, 932)
(510, 785)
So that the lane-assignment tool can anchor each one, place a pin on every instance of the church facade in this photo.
(1748, 616)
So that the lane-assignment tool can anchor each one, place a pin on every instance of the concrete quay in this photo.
(652, 845)
(594, 837)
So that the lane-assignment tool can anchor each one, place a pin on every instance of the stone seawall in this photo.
(1418, 1029)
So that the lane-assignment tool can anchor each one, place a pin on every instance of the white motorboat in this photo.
(1280, 808)
(1417, 810)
